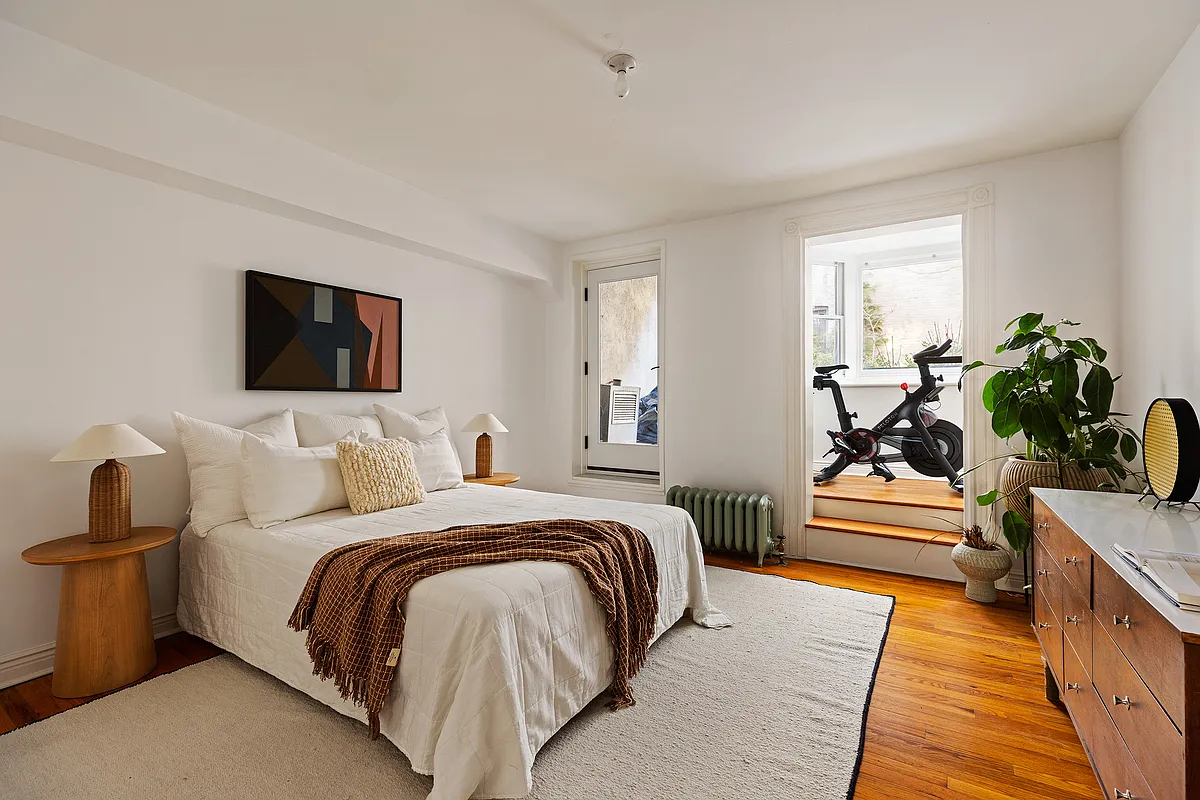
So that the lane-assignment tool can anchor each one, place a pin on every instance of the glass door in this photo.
(621, 369)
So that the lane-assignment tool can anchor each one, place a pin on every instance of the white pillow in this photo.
(281, 483)
(399, 424)
(214, 464)
(314, 430)
(437, 464)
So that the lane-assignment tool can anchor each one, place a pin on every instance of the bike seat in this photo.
(831, 369)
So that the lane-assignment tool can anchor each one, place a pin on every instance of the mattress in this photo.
(496, 657)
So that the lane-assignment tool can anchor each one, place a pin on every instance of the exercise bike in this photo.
(931, 446)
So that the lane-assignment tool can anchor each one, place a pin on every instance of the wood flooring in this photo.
(31, 701)
(958, 709)
(900, 492)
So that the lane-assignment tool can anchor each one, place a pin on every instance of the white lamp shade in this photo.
(485, 423)
(102, 442)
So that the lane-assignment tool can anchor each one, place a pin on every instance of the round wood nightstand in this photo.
(497, 479)
(105, 639)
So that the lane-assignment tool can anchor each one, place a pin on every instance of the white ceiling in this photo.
(506, 106)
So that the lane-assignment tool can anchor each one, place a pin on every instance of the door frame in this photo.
(580, 478)
(625, 463)
(976, 205)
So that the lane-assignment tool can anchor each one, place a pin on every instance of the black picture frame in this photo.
(258, 330)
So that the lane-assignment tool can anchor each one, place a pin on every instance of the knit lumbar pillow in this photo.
(379, 474)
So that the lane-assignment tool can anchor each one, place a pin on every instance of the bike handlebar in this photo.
(933, 351)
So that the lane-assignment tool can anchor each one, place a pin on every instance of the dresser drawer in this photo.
(1047, 577)
(1076, 681)
(1076, 622)
(1050, 636)
(1044, 522)
(1147, 731)
(1151, 644)
(1118, 774)
(1075, 558)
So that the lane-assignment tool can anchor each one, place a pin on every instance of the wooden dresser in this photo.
(1123, 660)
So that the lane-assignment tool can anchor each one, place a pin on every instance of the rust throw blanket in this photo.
(351, 604)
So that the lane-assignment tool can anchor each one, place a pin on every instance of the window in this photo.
(621, 369)
(906, 308)
(881, 295)
(827, 314)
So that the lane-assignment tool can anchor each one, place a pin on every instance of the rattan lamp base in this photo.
(108, 503)
(483, 456)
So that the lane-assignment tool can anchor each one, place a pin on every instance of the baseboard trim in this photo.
(38, 661)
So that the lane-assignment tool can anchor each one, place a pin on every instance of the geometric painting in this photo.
(306, 336)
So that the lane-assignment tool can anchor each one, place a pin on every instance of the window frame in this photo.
(839, 305)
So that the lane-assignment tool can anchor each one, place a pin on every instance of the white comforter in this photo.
(496, 657)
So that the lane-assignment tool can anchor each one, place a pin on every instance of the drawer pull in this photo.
(1073, 620)
(1043, 525)
(1122, 701)
(1043, 625)
(1126, 795)
(1043, 572)
(1070, 559)
(1122, 621)
(1072, 687)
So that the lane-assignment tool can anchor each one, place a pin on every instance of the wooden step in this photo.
(900, 492)
(919, 535)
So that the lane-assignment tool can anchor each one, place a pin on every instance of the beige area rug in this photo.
(772, 707)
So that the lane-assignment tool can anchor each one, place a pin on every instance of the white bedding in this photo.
(496, 657)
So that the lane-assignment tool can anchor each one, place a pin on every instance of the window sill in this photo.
(627, 484)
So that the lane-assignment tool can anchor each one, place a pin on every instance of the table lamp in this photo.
(484, 424)
(108, 498)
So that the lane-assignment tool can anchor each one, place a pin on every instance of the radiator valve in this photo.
(781, 560)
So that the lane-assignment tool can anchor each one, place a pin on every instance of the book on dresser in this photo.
(1171, 572)
(1121, 657)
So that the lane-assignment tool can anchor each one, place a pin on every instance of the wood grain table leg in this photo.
(105, 637)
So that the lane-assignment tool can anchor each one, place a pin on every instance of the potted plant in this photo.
(979, 557)
(1059, 398)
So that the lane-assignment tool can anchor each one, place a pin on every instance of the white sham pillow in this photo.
(315, 430)
(214, 464)
(437, 463)
(281, 483)
(399, 424)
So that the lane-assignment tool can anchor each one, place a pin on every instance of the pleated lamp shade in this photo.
(109, 516)
(484, 424)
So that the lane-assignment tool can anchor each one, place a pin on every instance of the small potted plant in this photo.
(1059, 399)
(979, 557)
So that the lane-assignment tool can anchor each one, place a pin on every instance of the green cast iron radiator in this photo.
(727, 520)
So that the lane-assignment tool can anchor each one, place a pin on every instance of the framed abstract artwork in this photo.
(306, 336)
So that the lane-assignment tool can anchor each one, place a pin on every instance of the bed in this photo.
(496, 657)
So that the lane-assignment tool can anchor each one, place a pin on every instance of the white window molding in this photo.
(976, 205)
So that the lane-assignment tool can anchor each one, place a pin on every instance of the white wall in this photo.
(1057, 247)
(1160, 278)
(128, 213)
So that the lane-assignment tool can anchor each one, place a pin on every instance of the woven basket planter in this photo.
(1019, 475)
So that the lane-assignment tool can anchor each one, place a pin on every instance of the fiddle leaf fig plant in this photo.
(1059, 398)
